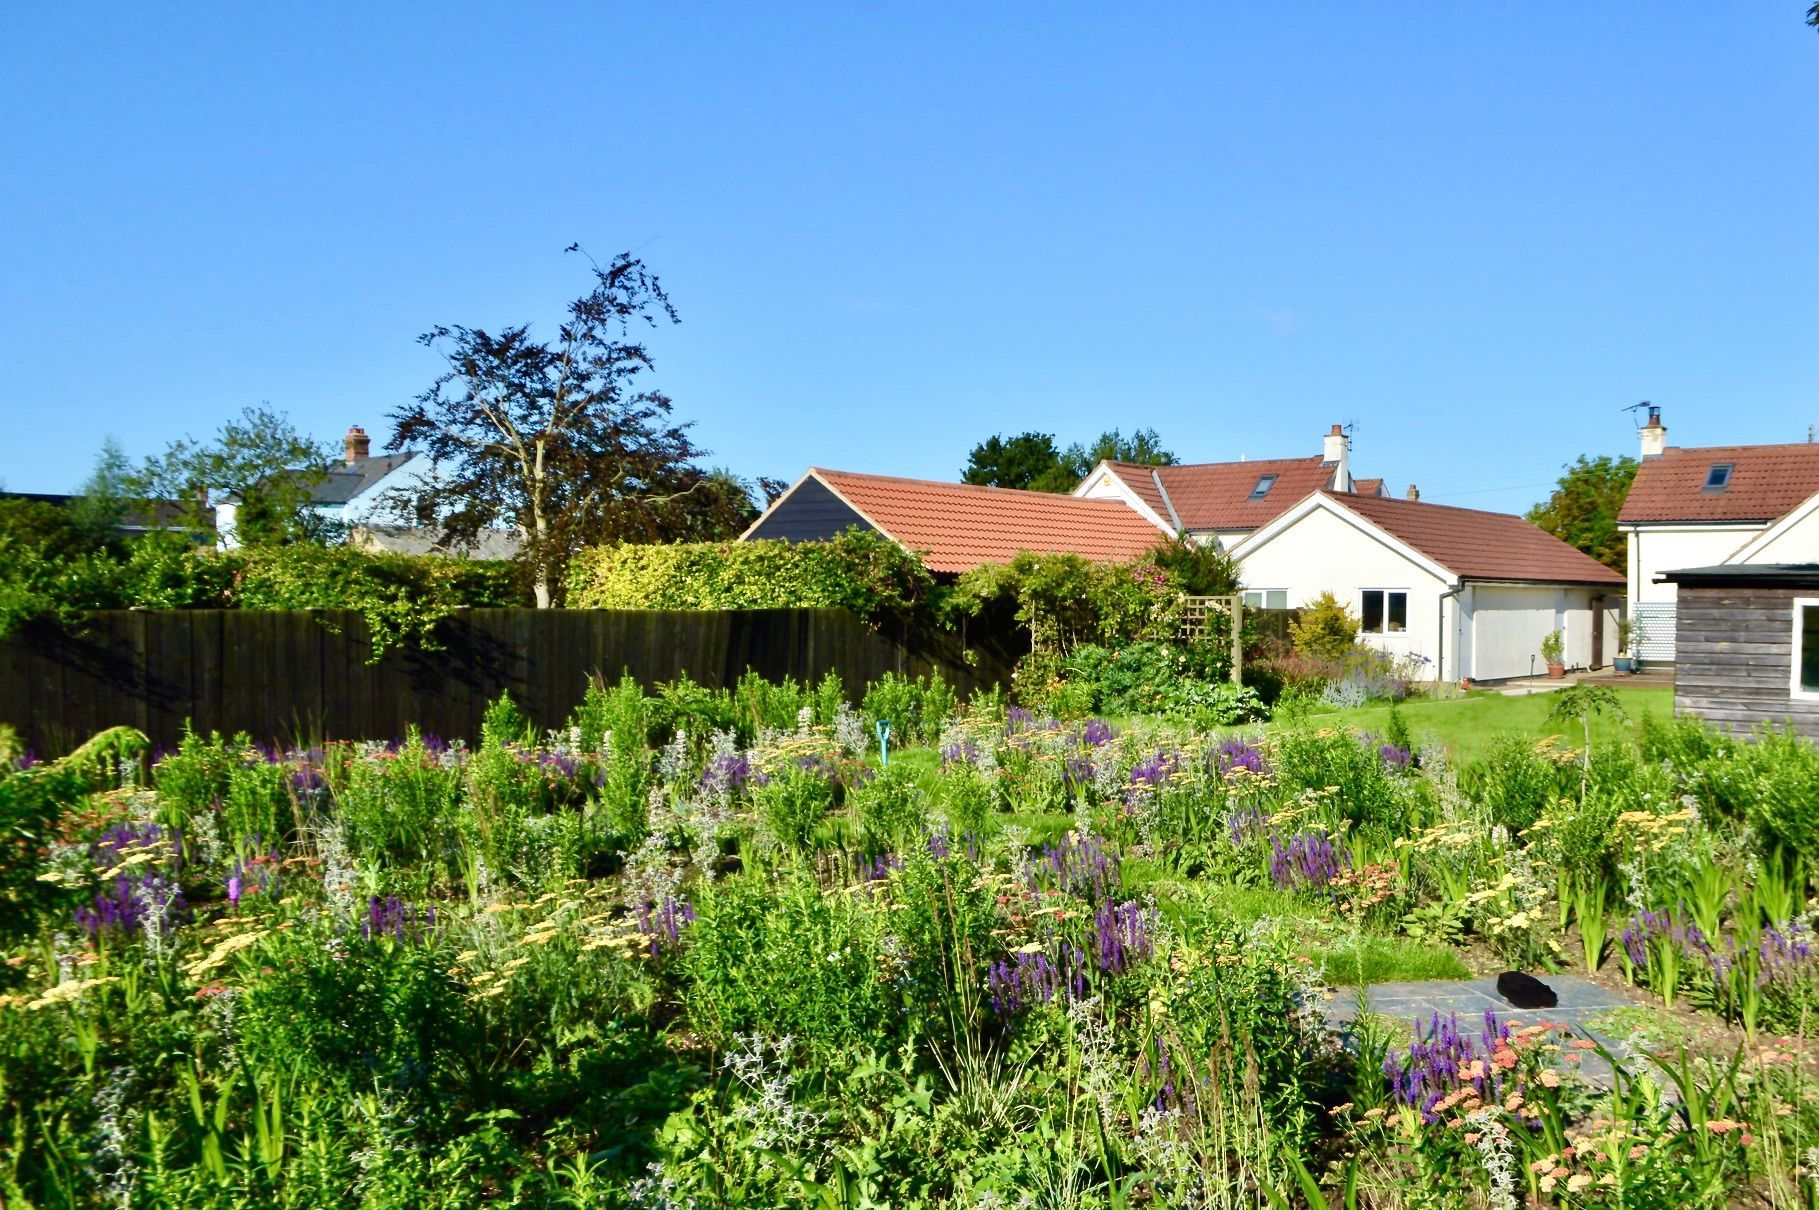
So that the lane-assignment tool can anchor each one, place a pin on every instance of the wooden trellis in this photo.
(1196, 624)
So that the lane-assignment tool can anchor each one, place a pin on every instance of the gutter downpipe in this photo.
(1440, 645)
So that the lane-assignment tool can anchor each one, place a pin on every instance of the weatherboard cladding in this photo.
(1765, 482)
(1476, 545)
(810, 513)
(1734, 651)
(957, 526)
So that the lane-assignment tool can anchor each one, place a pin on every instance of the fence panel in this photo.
(288, 676)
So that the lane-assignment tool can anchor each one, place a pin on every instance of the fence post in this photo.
(1237, 600)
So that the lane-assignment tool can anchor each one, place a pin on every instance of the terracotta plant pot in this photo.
(1556, 672)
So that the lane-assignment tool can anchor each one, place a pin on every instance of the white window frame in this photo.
(1794, 688)
(1263, 594)
(1386, 631)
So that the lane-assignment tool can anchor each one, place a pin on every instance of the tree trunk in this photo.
(540, 586)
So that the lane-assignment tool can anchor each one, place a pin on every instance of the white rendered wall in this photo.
(1798, 543)
(1323, 552)
(1655, 549)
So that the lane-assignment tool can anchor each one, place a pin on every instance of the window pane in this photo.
(1809, 648)
(1373, 611)
(1277, 598)
(1253, 600)
(1398, 611)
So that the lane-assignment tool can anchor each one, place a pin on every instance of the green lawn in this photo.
(1467, 724)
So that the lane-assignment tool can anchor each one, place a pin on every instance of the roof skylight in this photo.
(1719, 477)
(1264, 483)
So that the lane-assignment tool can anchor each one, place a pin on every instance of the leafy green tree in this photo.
(1143, 447)
(1032, 461)
(1582, 511)
(1020, 461)
(260, 461)
(102, 502)
(560, 439)
(1199, 570)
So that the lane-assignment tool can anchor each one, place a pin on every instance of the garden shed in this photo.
(1459, 592)
(1746, 648)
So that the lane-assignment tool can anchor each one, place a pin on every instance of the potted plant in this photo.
(1626, 630)
(1553, 653)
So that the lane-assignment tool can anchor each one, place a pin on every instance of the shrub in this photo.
(1553, 647)
(195, 777)
(1062, 600)
(1146, 678)
(788, 960)
(1516, 781)
(792, 803)
(898, 701)
(889, 808)
(858, 570)
(399, 810)
(353, 1009)
(968, 798)
(258, 809)
(1325, 629)
(1782, 770)
(1367, 796)
(682, 705)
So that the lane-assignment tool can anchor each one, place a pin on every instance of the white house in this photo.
(1468, 594)
(1226, 502)
(357, 494)
(1712, 506)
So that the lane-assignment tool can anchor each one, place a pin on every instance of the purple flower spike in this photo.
(1308, 860)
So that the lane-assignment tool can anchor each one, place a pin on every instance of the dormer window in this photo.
(1264, 483)
(1719, 477)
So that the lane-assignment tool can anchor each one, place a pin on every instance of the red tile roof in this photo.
(1766, 481)
(957, 526)
(1476, 545)
(1216, 495)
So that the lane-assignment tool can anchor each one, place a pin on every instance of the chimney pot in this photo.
(1654, 435)
(357, 444)
(1414, 493)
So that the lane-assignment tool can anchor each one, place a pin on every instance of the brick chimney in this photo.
(357, 444)
(1338, 456)
(1654, 434)
(1414, 493)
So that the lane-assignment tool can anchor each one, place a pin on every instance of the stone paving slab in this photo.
(1581, 1000)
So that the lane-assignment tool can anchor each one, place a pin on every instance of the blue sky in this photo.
(1475, 231)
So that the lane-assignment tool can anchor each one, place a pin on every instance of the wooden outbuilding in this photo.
(1746, 647)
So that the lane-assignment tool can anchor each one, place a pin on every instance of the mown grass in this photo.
(1467, 725)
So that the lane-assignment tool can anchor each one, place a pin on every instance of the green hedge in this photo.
(49, 567)
(859, 570)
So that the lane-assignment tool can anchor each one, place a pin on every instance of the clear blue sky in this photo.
(1477, 231)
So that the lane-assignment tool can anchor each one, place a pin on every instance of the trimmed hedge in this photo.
(51, 568)
(858, 570)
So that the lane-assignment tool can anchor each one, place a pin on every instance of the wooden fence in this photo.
(288, 675)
